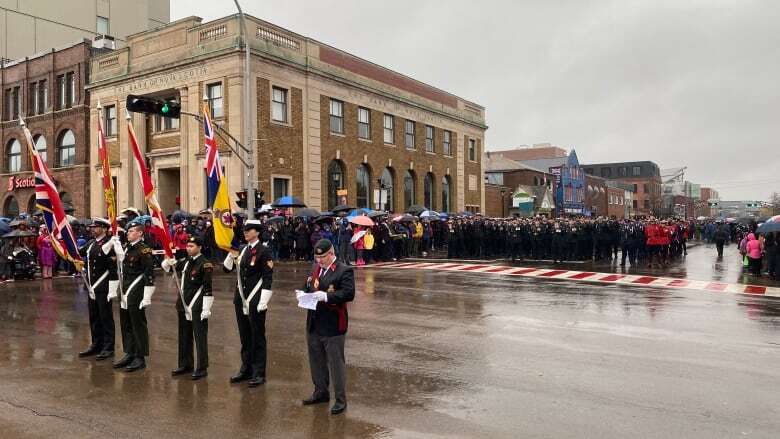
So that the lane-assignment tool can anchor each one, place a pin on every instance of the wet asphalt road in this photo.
(430, 354)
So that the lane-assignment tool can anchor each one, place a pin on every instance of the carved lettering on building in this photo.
(161, 81)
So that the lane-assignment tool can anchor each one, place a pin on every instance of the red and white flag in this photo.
(159, 224)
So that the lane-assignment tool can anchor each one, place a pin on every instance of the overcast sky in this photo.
(679, 82)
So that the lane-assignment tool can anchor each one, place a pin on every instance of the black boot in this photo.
(243, 375)
(316, 399)
(92, 350)
(181, 370)
(123, 362)
(137, 364)
(338, 408)
(104, 355)
(198, 374)
(256, 381)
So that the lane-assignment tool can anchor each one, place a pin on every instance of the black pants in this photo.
(196, 329)
(135, 331)
(628, 251)
(101, 319)
(719, 245)
(251, 330)
(327, 363)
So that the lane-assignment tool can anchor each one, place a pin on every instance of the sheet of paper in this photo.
(306, 301)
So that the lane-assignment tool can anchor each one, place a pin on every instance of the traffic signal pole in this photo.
(250, 157)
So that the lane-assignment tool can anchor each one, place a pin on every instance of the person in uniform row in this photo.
(193, 308)
(135, 295)
(255, 269)
(333, 283)
(101, 277)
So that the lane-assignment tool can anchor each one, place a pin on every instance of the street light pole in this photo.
(252, 170)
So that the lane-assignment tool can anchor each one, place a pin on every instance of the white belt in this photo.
(188, 309)
(95, 285)
(251, 296)
(126, 293)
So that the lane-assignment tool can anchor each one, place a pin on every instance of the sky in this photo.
(678, 82)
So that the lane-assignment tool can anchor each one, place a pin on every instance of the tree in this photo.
(775, 200)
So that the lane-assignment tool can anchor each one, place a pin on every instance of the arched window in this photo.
(40, 145)
(14, 157)
(67, 149)
(409, 194)
(32, 204)
(386, 191)
(363, 186)
(445, 194)
(10, 207)
(428, 191)
(335, 182)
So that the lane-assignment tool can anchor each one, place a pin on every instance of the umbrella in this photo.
(307, 212)
(774, 219)
(288, 201)
(360, 211)
(377, 214)
(361, 220)
(342, 208)
(404, 218)
(769, 227)
(68, 208)
(17, 223)
(416, 209)
(324, 219)
(18, 233)
(276, 219)
(327, 213)
(701, 218)
(465, 213)
(430, 214)
(72, 220)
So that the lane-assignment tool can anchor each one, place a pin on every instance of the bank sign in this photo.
(15, 182)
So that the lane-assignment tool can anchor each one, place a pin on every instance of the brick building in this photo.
(535, 152)
(47, 89)
(506, 175)
(645, 177)
(325, 124)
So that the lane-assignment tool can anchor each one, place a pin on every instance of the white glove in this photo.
(147, 300)
(207, 302)
(118, 250)
(265, 296)
(107, 246)
(113, 287)
(91, 292)
(321, 296)
(167, 264)
(230, 260)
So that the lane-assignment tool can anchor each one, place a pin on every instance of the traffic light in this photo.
(241, 201)
(147, 105)
(259, 201)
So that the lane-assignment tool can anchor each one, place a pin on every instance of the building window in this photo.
(67, 149)
(162, 124)
(335, 182)
(428, 191)
(389, 128)
(386, 201)
(363, 187)
(445, 194)
(637, 170)
(14, 156)
(216, 101)
(606, 172)
(40, 146)
(13, 105)
(43, 96)
(102, 25)
(70, 78)
(635, 203)
(429, 143)
(472, 150)
(647, 188)
(647, 204)
(636, 188)
(11, 207)
(336, 117)
(409, 189)
(279, 104)
(109, 115)
(409, 134)
(61, 92)
(447, 143)
(364, 123)
(281, 187)
(623, 171)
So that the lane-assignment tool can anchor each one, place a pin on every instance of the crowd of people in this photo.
(647, 242)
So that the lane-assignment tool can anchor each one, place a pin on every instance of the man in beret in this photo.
(253, 292)
(137, 290)
(102, 284)
(193, 308)
(333, 283)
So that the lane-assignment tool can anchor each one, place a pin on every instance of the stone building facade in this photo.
(47, 90)
(326, 126)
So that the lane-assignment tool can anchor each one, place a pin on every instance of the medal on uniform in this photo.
(252, 262)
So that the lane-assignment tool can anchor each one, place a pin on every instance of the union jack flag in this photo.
(47, 198)
(213, 165)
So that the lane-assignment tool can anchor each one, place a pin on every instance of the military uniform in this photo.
(136, 294)
(193, 308)
(100, 275)
(253, 292)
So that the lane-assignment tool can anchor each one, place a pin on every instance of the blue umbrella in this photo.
(288, 201)
(360, 211)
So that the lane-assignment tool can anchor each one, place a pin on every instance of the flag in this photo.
(217, 196)
(47, 198)
(108, 184)
(159, 224)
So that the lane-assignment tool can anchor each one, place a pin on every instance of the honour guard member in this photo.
(333, 283)
(135, 295)
(100, 268)
(253, 292)
(193, 308)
